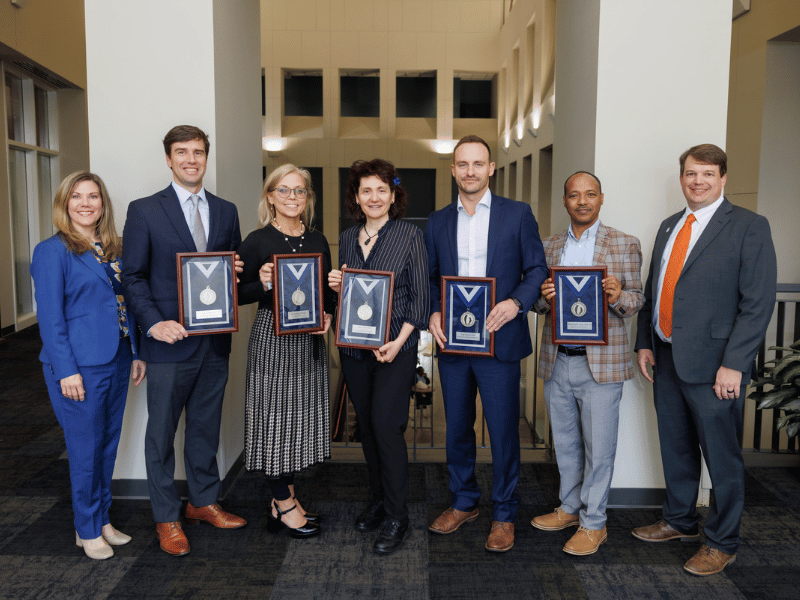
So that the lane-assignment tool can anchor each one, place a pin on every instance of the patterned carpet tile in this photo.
(621, 582)
(61, 577)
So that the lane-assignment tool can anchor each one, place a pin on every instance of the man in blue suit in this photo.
(483, 235)
(708, 300)
(184, 372)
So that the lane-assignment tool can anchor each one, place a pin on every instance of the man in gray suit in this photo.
(709, 297)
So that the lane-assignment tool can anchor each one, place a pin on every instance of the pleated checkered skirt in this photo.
(287, 415)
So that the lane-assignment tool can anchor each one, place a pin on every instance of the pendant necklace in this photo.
(369, 237)
(286, 237)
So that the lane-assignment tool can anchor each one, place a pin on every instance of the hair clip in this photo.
(396, 181)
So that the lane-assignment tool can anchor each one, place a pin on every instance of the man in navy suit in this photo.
(708, 300)
(483, 235)
(184, 372)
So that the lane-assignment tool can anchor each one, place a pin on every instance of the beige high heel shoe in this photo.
(118, 539)
(101, 553)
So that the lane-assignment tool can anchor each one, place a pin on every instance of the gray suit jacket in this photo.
(724, 298)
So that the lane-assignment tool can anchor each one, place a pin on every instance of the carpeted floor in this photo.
(38, 558)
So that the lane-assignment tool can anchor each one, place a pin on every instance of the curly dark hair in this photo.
(383, 170)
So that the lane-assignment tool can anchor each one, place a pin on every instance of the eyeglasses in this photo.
(284, 192)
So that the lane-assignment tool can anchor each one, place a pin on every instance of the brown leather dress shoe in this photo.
(452, 519)
(558, 519)
(708, 561)
(501, 537)
(172, 539)
(214, 515)
(662, 532)
(585, 541)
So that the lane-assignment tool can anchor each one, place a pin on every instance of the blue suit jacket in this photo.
(155, 231)
(515, 258)
(76, 308)
(724, 297)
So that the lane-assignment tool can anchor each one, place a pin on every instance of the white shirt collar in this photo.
(705, 213)
(486, 200)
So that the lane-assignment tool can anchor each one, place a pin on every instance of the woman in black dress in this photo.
(379, 382)
(287, 420)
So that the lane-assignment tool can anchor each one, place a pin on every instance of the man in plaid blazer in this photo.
(583, 384)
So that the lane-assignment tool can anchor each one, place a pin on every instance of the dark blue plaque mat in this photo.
(462, 294)
(208, 301)
(297, 273)
(371, 289)
(580, 307)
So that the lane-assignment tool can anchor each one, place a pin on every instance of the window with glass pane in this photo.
(16, 123)
(42, 118)
(45, 165)
(20, 231)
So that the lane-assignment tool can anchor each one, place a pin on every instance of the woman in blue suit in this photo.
(89, 350)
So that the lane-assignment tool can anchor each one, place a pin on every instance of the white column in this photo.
(637, 83)
(152, 65)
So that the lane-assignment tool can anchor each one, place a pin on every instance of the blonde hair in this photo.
(104, 230)
(266, 211)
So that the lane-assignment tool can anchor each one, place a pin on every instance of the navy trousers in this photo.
(198, 385)
(498, 383)
(91, 432)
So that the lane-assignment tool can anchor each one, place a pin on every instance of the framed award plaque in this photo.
(207, 292)
(365, 308)
(579, 310)
(466, 303)
(297, 293)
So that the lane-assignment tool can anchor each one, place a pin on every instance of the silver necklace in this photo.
(286, 237)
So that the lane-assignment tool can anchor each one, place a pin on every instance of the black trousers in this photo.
(381, 393)
(691, 418)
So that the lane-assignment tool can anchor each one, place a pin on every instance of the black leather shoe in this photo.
(393, 534)
(371, 517)
(275, 524)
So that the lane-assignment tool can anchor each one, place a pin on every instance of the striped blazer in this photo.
(622, 255)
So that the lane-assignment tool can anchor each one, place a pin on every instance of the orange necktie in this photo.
(674, 268)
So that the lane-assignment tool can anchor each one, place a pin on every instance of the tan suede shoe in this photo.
(708, 561)
(558, 519)
(501, 537)
(585, 541)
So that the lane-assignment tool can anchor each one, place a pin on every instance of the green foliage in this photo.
(782, 378)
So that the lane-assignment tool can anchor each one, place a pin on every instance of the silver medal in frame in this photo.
(467, 319)
(364, 312)
(208, 296)
(578, 308)
(298, 298)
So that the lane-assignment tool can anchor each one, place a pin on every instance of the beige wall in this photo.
(750, 33)
(51, 33)
(389, 36)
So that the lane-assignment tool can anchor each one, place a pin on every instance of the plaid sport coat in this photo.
(622, 255)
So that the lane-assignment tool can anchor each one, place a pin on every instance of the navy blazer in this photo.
(515, 258)
(155, 231)
(724, 297)
(76, 308)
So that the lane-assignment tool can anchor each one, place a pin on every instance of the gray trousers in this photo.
(584, 416)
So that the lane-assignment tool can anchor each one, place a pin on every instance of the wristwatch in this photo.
(517, 302)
